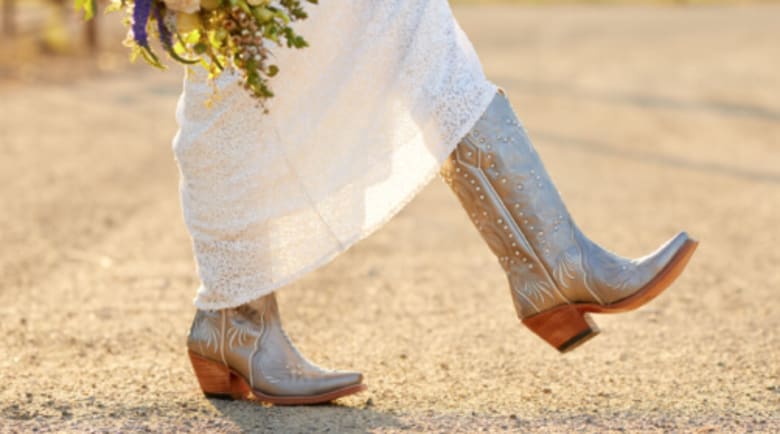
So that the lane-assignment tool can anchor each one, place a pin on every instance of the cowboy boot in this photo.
(243, 353)
(556, 274)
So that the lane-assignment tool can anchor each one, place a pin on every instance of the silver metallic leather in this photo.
(501, 182)
(250, 340)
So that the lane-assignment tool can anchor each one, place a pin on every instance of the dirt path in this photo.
(650, 120)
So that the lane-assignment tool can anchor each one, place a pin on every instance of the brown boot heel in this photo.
(564, 327)
(217, 380)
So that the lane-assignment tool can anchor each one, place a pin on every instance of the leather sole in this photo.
(220, 381)
(568, 326)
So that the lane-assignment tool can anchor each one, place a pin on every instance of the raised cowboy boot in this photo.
(243, 353)
(556, 274)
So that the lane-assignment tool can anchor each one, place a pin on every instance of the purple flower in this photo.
(141, 12)
(162, 28)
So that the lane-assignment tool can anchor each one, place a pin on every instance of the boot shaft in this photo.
(506, 190)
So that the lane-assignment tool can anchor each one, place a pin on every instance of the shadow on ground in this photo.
(252, 417)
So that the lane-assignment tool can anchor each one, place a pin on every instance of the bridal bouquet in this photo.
(217, 34)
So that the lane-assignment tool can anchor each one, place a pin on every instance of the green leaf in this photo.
(114, 6)
(215, 61)
(179, 46)
(172, 52)
(245, 7)
(88, 6)
(200, 47)
(217, 38)
(283, 16)
(134, 53)
(150, 57)
(192, 37)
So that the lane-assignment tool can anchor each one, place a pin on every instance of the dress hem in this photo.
(366, 232)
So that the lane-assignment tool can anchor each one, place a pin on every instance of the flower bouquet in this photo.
(217, 34)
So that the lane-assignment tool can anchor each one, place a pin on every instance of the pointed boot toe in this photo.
(660, 269)
(668, 252)
(338, 380)
(671, 251)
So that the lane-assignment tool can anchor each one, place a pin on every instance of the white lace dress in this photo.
(361, 121)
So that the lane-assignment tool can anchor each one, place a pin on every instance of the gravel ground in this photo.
(650, 120)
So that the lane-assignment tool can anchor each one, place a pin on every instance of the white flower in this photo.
(186, 6)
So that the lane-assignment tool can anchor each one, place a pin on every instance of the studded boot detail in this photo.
(556, 274)
(243, 353)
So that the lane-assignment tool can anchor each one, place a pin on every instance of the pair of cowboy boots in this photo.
(556, 274)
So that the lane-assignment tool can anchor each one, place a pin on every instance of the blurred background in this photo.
(47, 40)
(40, 36)
(651, 116)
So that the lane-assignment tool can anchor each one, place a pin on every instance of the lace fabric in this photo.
(362, 120)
